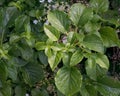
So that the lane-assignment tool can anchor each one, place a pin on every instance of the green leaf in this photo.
(9, 15)
(6, 90)
(86, 16)
(12, 14)
(4, 53)
(93, 42)
(28, 35)
(101, 71)
(59, 20)
(109, 37)
(96, 18)
(99, 5)
(102, 61)
(3, 71)
(26, 51)
(92, 27)
(32, 13)
(76, 57)
(27, 30)
(1, 94)
(87, 89)
(83, 91)
(0, 85)
(40, 45)
(109, 81)
(114, 21)
(1, 2)
(91, 68)
(14, 51)
(51, 32)
(107, 91)
(14, 38)
(54, 57)
(91, 90)
(38, 92)
(20, 23)
(80, 37)
(43, 58)
(108, 85)
(20, 91)
(68, 80)
(32, 73)
(80, 14)
(14, 61)
(30, 3)
(71, 38)
(12, 73)
(57, 46)
(59, 93)
(76, 12)
(66, 56)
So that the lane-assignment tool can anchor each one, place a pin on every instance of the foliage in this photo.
(34, 36)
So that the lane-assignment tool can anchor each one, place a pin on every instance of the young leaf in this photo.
(109, 37)
(66, 58)
(71, 37)
(40, 45)
(54, 57)
(99, 5)
(57, 46)
(59, 20)
(102, 60)
(76, 57)
(51, 32)
(80, 37)
(93, 42)
(68, 80)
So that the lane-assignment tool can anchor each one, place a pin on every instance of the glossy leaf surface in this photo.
(60, 22)
(93, 42)
(68, 80)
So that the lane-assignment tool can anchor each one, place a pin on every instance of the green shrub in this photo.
(37, 35)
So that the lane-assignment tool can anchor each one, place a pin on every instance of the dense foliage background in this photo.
(35, 45)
